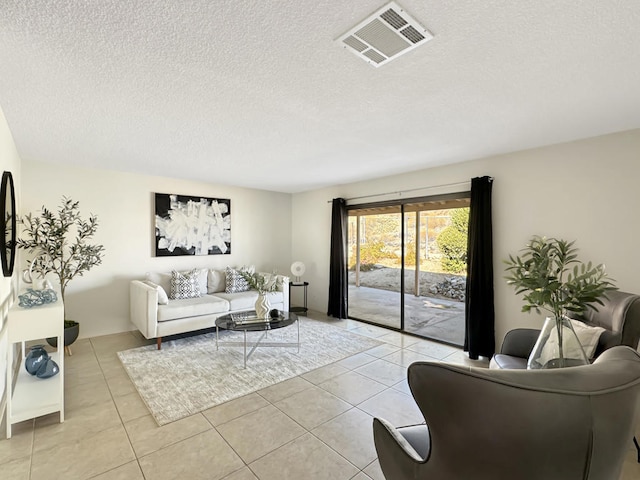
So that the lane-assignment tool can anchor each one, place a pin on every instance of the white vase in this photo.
(262, 305)
(557, 346)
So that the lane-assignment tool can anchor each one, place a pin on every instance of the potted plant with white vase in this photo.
(263, 284)
(552, 278)
(60, 242)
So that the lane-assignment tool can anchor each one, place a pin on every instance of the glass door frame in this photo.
(441, 202)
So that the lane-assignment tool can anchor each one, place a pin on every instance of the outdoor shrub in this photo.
(410, 254)
(372, 252)
(460, 219)
(453, 242)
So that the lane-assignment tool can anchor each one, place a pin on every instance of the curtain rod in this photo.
(400, 192)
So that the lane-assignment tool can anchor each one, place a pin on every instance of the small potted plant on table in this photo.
(263, 284)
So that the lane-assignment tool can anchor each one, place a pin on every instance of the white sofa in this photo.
(156, 316)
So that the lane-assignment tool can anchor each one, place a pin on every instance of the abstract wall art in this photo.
(192, 225)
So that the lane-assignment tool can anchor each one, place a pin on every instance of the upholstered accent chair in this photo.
(562, 424)
(619, 316)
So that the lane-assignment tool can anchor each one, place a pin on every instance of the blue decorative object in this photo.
(36, 298)
(35, 359)
(48, 369)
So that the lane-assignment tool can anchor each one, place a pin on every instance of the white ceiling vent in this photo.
(385, 35)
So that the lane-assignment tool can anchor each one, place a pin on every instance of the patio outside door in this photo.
(399, 276)
(375, 252)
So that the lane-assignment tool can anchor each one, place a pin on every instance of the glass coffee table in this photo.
(248, 322)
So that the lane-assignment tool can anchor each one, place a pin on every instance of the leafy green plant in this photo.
(410, 254)
(552, 278)
(372, 252)
(452, 242)
(60, 241)
(260, 282)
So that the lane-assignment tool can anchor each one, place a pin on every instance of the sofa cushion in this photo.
(185, 285)
(239, 301)
(247, 300)
(162, 279)
(163, 299)
(192, 307)
(216, 281)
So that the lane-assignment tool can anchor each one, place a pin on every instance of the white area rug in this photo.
(188, 375)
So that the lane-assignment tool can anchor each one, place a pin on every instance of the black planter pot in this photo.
(71, 332)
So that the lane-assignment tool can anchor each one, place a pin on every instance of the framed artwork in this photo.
(192, 225)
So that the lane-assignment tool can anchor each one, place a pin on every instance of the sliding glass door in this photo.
(407, 265)
(375, 243)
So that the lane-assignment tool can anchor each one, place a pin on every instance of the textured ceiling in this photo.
(257, 94)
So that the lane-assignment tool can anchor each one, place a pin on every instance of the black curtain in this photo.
(479, 312)
(338, 287)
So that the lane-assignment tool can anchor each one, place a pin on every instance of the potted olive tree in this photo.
(60, 244)
(552, 278)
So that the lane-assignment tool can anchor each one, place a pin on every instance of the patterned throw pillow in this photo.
(235, 282)
(185, 285)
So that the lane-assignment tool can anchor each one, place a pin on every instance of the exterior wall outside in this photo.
(585, 190)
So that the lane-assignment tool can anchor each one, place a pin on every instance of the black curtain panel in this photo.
(338, 287)
(479, 312)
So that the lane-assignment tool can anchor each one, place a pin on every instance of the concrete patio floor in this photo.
(429, 317)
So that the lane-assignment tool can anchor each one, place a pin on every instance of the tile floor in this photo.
(315, 426)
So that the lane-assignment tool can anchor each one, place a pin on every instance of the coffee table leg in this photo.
(216, 337)
(298, 322)
(245, 349)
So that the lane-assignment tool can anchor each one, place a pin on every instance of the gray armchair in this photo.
(619, 316)
(561, 424)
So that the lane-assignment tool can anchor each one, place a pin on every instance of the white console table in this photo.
(31, 396)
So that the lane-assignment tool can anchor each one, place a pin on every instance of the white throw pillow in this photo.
(216, 281)
(162, 279)
(588, 336)
(163, 299)
(185, 285)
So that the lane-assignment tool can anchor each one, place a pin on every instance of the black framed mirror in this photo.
(8, 209)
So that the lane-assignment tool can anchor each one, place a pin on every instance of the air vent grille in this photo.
(412, 34)
(356, 44)
(371, 54)
(385, 41)
(393, 19)
(385, 35)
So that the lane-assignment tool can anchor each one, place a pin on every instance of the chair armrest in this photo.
(519, 342)
(143, 308)
(396, 456)
(396, 436)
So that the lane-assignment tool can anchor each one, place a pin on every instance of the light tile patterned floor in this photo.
(315, 426)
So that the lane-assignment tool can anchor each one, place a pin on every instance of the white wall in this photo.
(586, 191)
(9, 161)
(260, 233)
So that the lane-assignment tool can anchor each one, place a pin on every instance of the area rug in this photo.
(188, 375)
